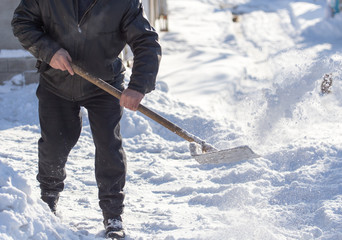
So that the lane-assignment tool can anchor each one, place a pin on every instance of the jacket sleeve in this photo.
(143, 41)
(27, 26)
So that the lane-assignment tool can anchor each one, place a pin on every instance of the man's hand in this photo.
(61, 60)
(131, 99)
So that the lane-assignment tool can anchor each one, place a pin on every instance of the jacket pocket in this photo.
(42, 66)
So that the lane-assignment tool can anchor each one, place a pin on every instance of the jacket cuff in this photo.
(138, 89)
(46, 56)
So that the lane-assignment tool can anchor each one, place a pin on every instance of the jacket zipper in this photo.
(86, 12)
(80, 30)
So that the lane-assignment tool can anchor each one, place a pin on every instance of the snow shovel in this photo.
(203, 152)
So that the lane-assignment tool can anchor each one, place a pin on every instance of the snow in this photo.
(255, 82)
(17, 53)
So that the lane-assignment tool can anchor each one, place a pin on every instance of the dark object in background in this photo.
(327, 83)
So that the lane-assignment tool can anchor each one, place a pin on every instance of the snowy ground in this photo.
(255, 82)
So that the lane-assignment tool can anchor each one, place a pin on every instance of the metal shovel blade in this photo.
(226, 156)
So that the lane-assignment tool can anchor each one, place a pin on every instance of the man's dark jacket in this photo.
(93, 40)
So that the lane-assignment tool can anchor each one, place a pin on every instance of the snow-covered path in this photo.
(253, 82)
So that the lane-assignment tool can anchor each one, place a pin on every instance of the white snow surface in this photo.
(255, 82)
(17, 53)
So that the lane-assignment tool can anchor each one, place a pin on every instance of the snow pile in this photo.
(329, 29)
(19, 106)
(23, 216)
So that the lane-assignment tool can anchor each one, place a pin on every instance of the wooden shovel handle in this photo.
(144, 110)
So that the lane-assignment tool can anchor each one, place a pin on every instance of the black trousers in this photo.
(60, 123)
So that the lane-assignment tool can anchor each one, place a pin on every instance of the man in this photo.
(91, 34)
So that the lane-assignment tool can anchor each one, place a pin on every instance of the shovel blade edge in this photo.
(226, 156)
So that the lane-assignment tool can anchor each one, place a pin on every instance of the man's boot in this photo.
(51, 199)
(113, 228)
